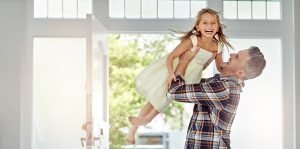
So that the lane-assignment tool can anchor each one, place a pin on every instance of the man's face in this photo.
(236, 64)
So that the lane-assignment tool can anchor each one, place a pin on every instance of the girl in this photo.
(207, 37)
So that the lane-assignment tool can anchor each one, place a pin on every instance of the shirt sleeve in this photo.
(213, 94)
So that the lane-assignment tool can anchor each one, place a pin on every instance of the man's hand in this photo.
(188, 55)
(184, 60)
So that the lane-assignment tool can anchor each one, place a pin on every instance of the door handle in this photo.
(82, 140)
(94, 139)
(99, 138)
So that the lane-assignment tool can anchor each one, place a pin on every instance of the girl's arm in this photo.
(185, 45)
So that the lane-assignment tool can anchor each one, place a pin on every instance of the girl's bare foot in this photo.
(131, 135)
(137, 121)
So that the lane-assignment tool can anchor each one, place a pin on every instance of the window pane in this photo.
(132, 8)
(40, 8)
(155, 8)
(165, 8)
(196, 6)
(259, 116)
(62, 8)
(84, 7)
(55, 8)
(149, 8)
(59, 67)
(116, 8)
(259, 10)
(70, 8)
(181, 9)
(273, 10)
(244, 9)
(230, 9)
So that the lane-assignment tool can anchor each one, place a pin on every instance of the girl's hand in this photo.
(214, 55)
(169, 79)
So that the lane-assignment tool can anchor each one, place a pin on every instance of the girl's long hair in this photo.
(220, 36)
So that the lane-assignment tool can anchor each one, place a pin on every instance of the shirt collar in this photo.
(234, 79)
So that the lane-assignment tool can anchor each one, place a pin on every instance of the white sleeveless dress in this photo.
(151, 82)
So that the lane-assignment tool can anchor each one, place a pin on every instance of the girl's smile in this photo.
(208, 25)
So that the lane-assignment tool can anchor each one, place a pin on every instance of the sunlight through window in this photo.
(62, 9)
(137, 9)
(252, 9)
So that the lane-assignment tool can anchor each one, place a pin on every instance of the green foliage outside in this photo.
(128, 55)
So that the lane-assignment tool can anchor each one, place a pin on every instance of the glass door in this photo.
(59, 102)
(70, 95)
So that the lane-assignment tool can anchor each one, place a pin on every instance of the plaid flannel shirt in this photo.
(216, 100)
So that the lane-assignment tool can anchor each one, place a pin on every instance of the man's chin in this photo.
(224, 64)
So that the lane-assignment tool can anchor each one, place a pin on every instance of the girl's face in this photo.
(208, 25)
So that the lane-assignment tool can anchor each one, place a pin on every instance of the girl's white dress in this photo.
(151, 82)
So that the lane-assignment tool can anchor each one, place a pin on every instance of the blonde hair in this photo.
(193, 31)
(255, 64)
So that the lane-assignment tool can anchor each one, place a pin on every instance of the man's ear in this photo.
(241, 73)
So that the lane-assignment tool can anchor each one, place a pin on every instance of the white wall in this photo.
(297, 68)
(11, 45)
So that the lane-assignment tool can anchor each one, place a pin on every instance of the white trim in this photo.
(288, 75)
(88, 85)
(296, 85)
(27, 83)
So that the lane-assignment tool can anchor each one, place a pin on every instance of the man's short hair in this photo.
(255, 64)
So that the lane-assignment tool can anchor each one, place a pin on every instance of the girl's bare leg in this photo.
(144, 111)
(131, 134)
(143, 120)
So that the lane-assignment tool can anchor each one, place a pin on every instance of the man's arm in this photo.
(210, 94)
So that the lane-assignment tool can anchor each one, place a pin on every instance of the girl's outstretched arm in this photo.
(184, 45)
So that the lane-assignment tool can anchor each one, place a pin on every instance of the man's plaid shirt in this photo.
(216, 100)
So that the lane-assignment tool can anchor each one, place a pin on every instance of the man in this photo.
(216, 99)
